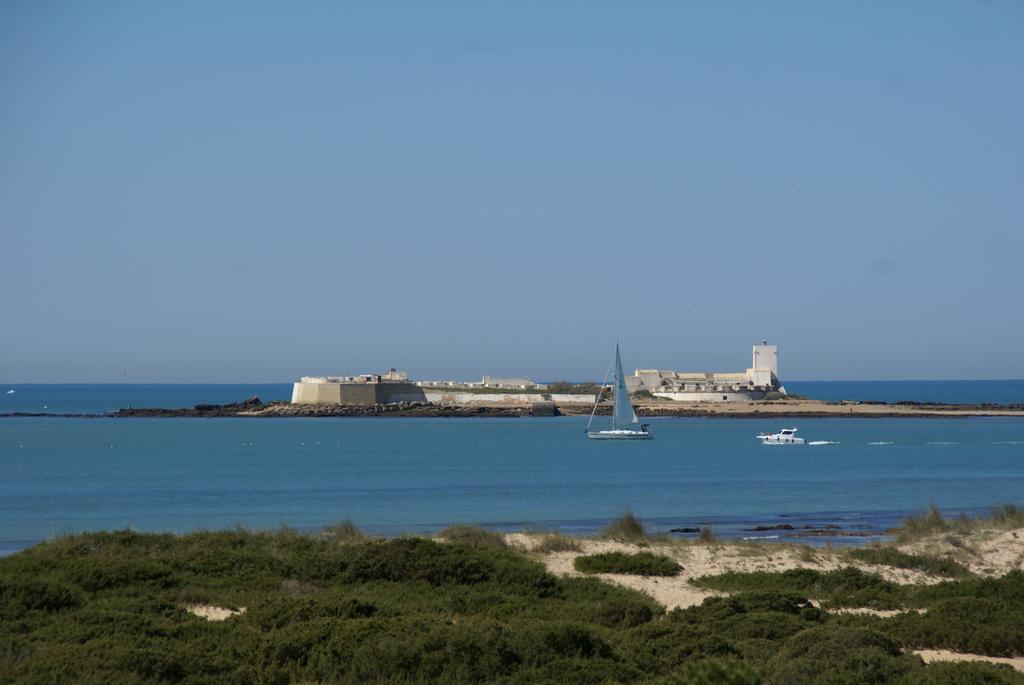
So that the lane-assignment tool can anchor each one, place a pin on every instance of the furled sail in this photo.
(622, 410)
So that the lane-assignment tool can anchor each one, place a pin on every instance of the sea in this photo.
(392, 475)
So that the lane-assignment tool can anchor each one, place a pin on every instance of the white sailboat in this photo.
(625, 425)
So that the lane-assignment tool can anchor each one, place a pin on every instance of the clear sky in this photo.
(200, 191)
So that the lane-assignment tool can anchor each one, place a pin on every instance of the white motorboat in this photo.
(786, 436)
(625, 425)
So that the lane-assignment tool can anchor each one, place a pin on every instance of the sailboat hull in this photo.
(619, 435)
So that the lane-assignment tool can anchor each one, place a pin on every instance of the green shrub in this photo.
(847, 586)
(964, 624)
(473, 536)
(416, 559)
(114, 574)
(714, 671)
(1007, 589)
(968, 673)
(19, 595)
(627, 528)
(639, 564)
(833, 654)
(888, 556)
(753, 615)
(622, 613)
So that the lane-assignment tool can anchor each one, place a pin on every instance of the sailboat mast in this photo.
(618, 371)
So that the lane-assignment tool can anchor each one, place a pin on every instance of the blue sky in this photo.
(238, 191)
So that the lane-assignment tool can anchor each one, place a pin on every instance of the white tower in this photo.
(765, 369)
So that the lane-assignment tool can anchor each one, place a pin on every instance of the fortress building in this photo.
(368, 388)
(394, 386)
(755, 384)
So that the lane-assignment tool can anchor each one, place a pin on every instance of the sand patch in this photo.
(213, 613)
(990, 552)
(880, 613)
(696, 561)
(1000, 551)
(930, 655)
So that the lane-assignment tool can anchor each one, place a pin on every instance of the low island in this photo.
(790, 407)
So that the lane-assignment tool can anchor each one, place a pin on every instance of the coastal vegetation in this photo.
(474, 536)
(626, 528)
(129, 608)
(556, 542)
(639, 564)
(889, 556)
(568, 388)
(344, 532)
(845, 587)
(932, 522)
(977, 615)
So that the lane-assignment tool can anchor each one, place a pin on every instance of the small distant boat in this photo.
(11, 391)
(786, 436)
(625, 425)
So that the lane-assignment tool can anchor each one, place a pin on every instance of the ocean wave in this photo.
(762, 537)
(1009, 442)
(940, 442)
(882, 442)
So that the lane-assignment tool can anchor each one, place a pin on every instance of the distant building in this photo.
(392, 376)
(368, 388)
(755, 383)
(394, 386)
(493, 382)
(511, 383)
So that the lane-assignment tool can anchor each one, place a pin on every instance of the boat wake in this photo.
(822, 442)
(883, 442)
(941, 442)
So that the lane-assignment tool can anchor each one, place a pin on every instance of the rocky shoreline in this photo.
(253, 407)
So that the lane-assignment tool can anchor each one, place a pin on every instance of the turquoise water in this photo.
(64, 475)
(97, 399)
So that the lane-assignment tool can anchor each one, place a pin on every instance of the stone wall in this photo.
(573, 399)
(485, 398)
(392, 393)
(356, 393)
(725, 396)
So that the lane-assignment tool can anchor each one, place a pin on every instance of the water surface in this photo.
(417, 474)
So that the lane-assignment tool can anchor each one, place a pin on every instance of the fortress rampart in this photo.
(356, 393)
